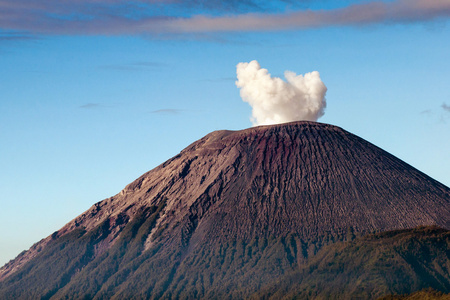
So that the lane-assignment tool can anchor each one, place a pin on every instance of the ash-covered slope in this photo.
(235, 208)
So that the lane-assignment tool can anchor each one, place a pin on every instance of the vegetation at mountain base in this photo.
(425, 294)
(368, 267)
(393, 262)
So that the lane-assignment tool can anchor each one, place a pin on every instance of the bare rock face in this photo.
(307, 182)
(308, 177)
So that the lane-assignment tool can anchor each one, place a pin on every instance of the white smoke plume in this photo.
(274, 101)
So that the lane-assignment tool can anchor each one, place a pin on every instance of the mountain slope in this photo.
(228, 214)
(372, 266)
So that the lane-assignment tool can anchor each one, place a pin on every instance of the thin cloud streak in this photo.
(445, 107)
(228, 79)
(120, 17)
(402, 11)
(167, 111)
(136, 66)
(17, 36)
(91, 106)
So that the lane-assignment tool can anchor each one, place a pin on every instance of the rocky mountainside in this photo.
(228, 215)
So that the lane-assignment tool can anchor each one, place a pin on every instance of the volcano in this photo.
(238, 211)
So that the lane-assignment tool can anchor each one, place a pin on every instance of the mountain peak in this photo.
(310, 183)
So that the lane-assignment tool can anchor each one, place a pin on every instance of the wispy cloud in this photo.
(441, 114)
(445, 107)
(11, 36)
(91, 106)
(135, 66)
(401, 11)
(223, 79)
(167, 111)
(156, 17)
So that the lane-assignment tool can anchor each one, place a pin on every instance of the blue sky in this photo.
(95, 93)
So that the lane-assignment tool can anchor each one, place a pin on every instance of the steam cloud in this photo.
(274, 101)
